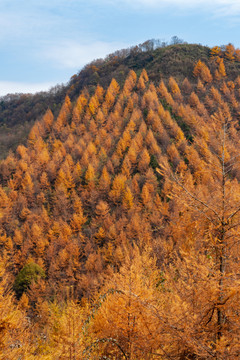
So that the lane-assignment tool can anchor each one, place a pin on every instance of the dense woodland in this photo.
(18, 112)
(120, 222)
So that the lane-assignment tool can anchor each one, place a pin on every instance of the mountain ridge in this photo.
(19, 111)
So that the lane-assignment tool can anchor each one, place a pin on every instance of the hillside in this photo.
(120, 215)
(19, 112)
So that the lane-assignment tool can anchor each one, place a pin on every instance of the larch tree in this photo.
(215, 51)
(202, 71)
(212, 213)
(142, 80)
(186, 86)
(205, 74)
(229, 52)
(122, 325)
(237, 54)
(221, 68)
(197, 68)
(14, 332)
(173, 85)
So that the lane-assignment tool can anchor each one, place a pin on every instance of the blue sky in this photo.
(45, 42)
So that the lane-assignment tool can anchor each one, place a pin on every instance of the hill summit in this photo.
(18, 112)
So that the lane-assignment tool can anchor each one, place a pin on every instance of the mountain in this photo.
(120, 215)
(18, 112)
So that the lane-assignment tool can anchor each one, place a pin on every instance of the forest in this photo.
(120, 221)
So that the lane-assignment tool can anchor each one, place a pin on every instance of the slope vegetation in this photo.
(120, 221)
(18, 112)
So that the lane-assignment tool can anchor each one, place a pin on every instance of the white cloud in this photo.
(74, 55)
(216, 7)
(182, 3)
(27, 20)
(11, 87)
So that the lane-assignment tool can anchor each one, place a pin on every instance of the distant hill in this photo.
(18, 112)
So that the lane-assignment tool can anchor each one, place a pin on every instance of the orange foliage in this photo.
(229, 52)
(130, 198)
(201, 70)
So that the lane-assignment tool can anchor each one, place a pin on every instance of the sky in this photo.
(44, 42)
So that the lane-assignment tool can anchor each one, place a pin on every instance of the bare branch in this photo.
(104, 340)
(195, 198)
(201, 212)
(233, 214)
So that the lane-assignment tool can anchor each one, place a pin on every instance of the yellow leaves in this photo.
(179, 136)
(91, 149)
(93, 105)
(229, 52)
(126, 167)
(27, 183)
(67, 104)
(77, 222)
(197, 68)
(132, 154)
(127, 304)
(201, 70)
(237, 54)
(44, 182)
(33, 135)
(215, 51)
(122, 138)
(114, 87)
(48, 120)
(79, 107)
(109, 253)
(123, 143)
(100, 235)
(18, 237)
(145, 195)
(23, 166)
(173, 154)
(110, 96)
(118, 188)
(22, 151)
(142, 80)
(65, 332)
(99, 93)
(194, 100)
(13, 323)
(3, 198)
(78, 218)
(6, 242)
(93, 263)
(36, 231)
(43, 157)
(127, 200)
(63, 258)
(63, 116)
(129, 83)
(144, 161)
(90, 176)
(221, 68)
(173, 86)
(165, 94)
(105, 179)
(65, 180)
(102, 209)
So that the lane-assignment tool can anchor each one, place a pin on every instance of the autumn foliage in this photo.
(120, 224)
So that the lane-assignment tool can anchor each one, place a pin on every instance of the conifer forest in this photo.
(120, 213)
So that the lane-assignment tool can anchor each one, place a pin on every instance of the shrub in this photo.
(30, 273)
